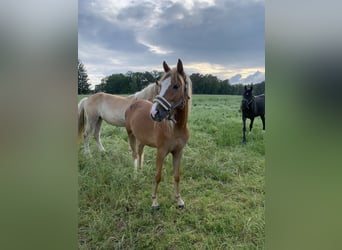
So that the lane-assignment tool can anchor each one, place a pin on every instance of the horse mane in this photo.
(188, 80)
(148, 93)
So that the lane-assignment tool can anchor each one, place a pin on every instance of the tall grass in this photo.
(222, 185)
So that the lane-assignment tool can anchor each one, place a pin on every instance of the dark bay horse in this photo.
(163, 125)
(251, 107)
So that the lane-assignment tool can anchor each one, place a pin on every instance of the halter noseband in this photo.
(170, 108)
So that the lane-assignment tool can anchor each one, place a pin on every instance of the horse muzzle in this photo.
(156, 116)
(159, 113)
(161, 109)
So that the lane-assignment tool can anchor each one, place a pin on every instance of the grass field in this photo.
(222, 185)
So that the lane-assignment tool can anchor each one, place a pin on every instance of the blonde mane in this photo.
(188, 80)
(148, 93)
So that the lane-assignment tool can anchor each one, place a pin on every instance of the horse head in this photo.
(247, 98)
(172, 95)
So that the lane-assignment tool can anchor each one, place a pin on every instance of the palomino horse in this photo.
(251, 107)
(162, 125)
(94, 109)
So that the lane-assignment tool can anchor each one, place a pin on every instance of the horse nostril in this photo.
(154, 115)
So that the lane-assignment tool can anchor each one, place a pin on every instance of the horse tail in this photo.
(81, 120)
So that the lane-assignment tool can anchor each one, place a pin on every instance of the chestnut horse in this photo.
(94, 109)
(162, 125)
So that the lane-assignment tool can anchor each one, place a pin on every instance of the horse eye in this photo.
(175, 87)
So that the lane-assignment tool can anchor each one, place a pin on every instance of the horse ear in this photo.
(252, 86)
(166, 67)
(245, 88)
(180, 67)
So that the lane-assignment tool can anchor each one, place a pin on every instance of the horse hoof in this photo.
(155, 208)
(244, 142)
(181, 206)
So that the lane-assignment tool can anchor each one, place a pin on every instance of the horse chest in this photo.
(248, 113)
(174, 140)
(181, 139)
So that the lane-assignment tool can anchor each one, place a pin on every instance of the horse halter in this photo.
(170, 108)
(248, 101)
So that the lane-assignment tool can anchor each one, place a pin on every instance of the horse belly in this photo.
(114, 116)
(248, 114)
(116, 119)
(145, 133)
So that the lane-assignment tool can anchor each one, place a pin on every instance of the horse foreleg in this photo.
(177, 156)
(244, 130)
(97, 134)
(161, 154)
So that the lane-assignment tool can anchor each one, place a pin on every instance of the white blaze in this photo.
(164, 86)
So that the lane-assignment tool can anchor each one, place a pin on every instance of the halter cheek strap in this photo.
(250, 101)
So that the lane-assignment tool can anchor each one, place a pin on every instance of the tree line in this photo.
(132, 82)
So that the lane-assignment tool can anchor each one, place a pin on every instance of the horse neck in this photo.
(147, 93)
(131, 98)
(181, 116)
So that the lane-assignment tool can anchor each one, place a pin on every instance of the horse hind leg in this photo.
(140, 148)
(251, 125)
(263, 122)
(86, 142)
(97, 134)
(132, 142)
(87, 133)
(138, 154)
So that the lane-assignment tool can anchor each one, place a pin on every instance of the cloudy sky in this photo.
(225, 38)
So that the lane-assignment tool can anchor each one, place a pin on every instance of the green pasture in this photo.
(222, 185)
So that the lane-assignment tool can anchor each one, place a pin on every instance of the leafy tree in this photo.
(139, 81)
(259, 88)
(225, 87)
(117, 84)
(198, 83)
(156, 75)
(132, 82)
(83, 81)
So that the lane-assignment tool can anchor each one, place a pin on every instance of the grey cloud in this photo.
(229, 33)
(94, 29)
(216, 34)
